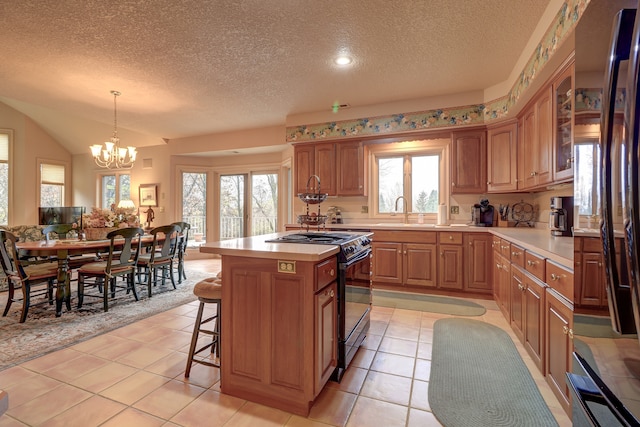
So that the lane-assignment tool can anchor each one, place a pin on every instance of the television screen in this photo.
(61, 215)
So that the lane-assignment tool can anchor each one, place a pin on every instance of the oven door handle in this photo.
(363, 255)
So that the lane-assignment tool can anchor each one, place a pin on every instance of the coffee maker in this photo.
(482, 214)
(561, 216)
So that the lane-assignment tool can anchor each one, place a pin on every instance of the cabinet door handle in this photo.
(565, 330)
(332, 294)
(555, 276)
(571, 333)
(332, 272)
(488, 182)
(405, 252)
(453, 184)
(498, 266)
(442, 254)
(450, 237)
(531, 263)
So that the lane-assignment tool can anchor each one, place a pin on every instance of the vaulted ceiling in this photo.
(188, 67)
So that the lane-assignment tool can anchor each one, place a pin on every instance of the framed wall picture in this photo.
(148, 195)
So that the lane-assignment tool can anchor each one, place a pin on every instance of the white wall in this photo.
(30, 143)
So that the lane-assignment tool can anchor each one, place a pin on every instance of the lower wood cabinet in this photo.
(279, 343)
(404, 259)
(450, 268)
(501, 279)
(534, 321)
(558, 345)
(533, 294)
(477, 262)
(444, 260)
(326, 333)
(590, 279)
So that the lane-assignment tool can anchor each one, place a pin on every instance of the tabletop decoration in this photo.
(100, 222)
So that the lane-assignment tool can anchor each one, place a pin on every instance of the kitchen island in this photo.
(279, 320)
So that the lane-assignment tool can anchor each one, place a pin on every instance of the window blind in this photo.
(51, 174)
(4, 148)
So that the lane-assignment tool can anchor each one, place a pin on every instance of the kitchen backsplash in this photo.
(353, 208)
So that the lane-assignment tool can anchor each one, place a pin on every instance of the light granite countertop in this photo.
(257, 247)
(538, 240)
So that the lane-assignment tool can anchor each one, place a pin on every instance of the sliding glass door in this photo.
(248, 210)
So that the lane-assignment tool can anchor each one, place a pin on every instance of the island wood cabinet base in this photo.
(269, 333)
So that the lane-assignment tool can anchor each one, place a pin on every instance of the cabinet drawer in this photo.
(450, 237)
(591, 244)
(560, 279)
(505, 248)
(534, 264)
(404, 236)
(495, 243)
(326, 272)
(517, 255)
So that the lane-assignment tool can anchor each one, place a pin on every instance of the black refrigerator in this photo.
(594, 403)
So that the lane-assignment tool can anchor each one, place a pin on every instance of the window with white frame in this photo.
(113, 188)
(51, 185)
(5, 182)
(411, 176)
(587, 177)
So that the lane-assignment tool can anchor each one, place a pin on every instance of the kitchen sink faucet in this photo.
(406, 208)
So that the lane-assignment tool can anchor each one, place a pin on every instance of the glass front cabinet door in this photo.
(563, 125)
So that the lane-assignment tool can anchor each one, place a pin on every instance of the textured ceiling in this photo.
(197, 67)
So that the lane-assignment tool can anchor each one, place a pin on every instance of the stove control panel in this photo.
(355, 246)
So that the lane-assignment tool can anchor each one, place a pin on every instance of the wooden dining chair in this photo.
(183, 238)
(121, 262)
(26, 275)
(160, 256)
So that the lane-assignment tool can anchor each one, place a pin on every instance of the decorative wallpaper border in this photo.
(564, 22)
(590, 99)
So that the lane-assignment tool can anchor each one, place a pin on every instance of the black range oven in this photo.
(354, 288)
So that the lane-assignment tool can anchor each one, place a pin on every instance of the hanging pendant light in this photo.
(111, 155)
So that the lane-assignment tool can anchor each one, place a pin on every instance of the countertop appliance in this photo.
(354, 288)
(594, 403)
(482, 214)
(561, 216)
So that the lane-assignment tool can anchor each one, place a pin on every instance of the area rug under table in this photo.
(43, 333)
(430, 303)
(479, 379)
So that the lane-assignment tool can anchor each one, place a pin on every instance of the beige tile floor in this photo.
(134, 376)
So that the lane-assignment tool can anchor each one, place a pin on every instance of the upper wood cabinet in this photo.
(468, 162)
(351, 169)
(502, 158)
(319, 160)
(563, 125)
(536, 141)
(340, 167)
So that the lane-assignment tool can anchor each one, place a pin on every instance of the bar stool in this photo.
(208, 291)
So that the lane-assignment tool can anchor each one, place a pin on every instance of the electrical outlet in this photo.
(364, 209)
(286, 266)
(455, 210)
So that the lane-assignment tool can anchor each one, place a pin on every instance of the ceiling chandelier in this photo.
(111, 155)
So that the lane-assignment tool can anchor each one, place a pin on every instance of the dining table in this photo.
(63, 249)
